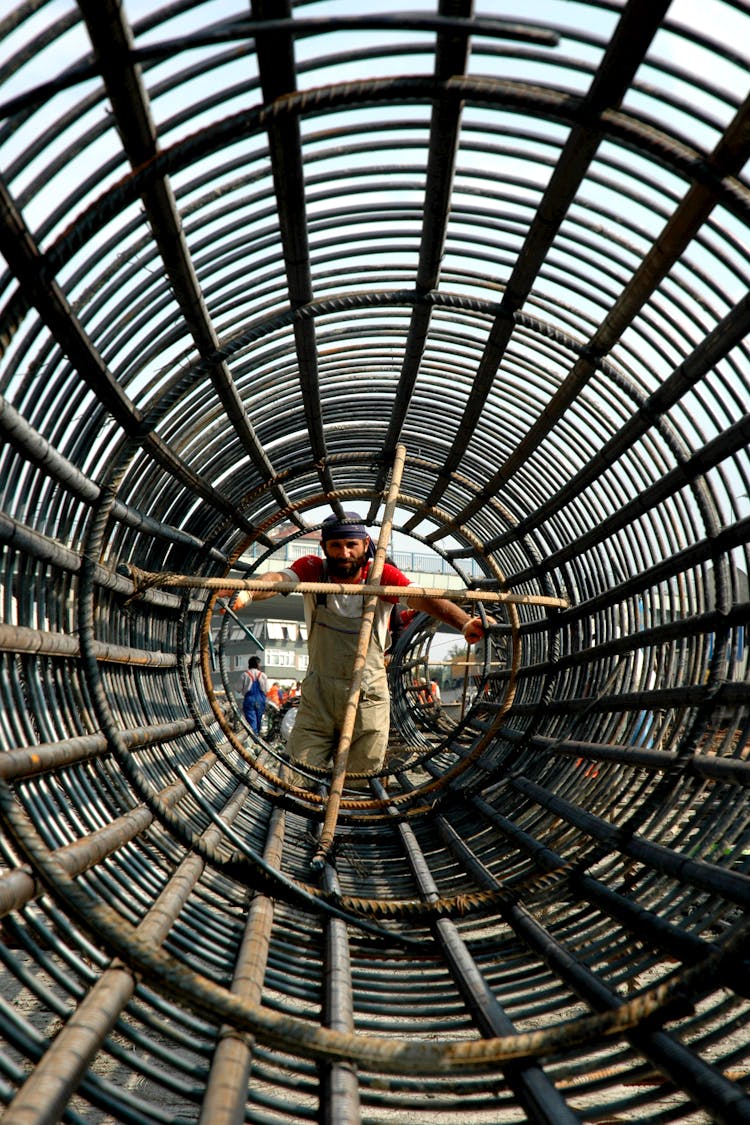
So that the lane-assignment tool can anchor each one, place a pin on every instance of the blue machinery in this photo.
(247, 250)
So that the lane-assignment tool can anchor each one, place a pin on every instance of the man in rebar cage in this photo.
(333, 627)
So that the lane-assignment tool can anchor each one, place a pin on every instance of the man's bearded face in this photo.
(345, 557)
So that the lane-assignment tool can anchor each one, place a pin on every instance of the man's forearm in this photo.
(243, 597)
(451, 614)
(446, 611)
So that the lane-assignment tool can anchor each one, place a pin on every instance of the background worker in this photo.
(275, 696)
(333, 626)
(254, 689)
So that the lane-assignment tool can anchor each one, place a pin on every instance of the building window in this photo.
(279, 658)
(283, 630)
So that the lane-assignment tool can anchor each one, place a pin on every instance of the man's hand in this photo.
(473, 630)
(236, 598)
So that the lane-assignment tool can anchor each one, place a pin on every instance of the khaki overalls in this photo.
(332, 646)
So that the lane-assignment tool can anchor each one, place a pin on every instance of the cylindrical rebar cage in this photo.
(249, 252)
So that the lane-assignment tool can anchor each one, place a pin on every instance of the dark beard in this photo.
(344, 568)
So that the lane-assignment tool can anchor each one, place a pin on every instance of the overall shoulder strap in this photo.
(320, 599)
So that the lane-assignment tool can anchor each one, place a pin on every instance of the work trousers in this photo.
(332, 647)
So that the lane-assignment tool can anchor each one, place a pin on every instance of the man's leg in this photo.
(309, 745)
(370, 738)
(248, 710)
(313, 737)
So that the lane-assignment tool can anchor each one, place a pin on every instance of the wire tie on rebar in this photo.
(140, 579)
(226, 1031)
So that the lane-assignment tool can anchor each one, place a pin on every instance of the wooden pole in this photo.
(467, 665)
(341, 757)
(403, 593)
(144, 579)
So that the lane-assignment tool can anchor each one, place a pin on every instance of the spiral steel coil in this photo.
(248, 252)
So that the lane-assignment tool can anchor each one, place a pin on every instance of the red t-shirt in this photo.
(310, 568)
